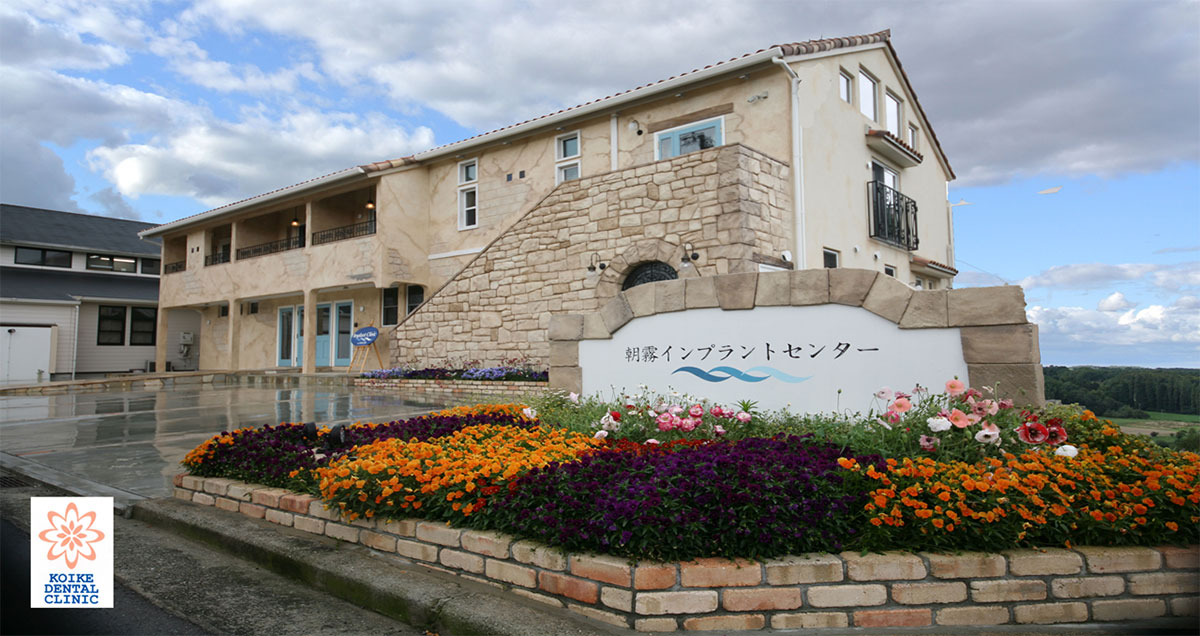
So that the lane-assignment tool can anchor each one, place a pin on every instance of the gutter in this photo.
(797, 165)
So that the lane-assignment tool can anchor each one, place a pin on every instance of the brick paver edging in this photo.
(455, 389)
(1051, 585)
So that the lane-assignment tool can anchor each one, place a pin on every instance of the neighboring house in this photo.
(812, 154)
(78, 295)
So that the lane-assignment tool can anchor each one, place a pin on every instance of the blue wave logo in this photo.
(726, 373)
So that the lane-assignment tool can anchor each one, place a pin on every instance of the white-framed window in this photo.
(567, 172)
(893, 114)
(918, 282)
(832, 258)
(914, 135)
(846, 87)
(681, 140)
(889, 270)
(866, 95)
(468, 203)
(566, 153)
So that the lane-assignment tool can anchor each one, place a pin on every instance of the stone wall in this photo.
(729, 203)
(1000, 345)
(1022, 587)
(454, 390)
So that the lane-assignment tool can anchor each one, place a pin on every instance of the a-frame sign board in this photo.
(364, 341)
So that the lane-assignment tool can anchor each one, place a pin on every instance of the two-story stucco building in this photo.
(807, 155)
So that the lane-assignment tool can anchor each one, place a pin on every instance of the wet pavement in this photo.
(134, 440)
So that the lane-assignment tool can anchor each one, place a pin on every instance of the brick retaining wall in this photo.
(1052, 585)
(454, 389)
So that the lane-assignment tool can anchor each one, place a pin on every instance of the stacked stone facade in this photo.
(729, 203)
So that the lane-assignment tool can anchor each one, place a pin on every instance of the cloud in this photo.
(33, 175)
(1098, 275)
(1115, 301)
(1173, 250)
(28, 43)
(114, 204)
(1158, 335)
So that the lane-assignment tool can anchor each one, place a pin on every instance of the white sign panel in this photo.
(71, 552)
(811, 359)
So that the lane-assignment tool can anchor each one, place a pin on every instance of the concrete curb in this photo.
(385, 584)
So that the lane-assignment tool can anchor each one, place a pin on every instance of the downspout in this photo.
(612, 144)
(75, 345)
(797, 166)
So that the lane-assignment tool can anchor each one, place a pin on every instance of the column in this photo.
(310, 331)
(235, 329)
(160, 337)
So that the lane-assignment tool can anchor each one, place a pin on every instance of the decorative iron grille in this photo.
(171, 268)
(262, 249)
(216, 259)
(365, 228)
(893, 216)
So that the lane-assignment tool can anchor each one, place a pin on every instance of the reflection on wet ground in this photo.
(134, 440)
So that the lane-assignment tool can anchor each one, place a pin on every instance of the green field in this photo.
(1158, 422)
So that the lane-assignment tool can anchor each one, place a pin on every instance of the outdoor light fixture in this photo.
(370, 204)
(634, 126)
(310, 431)
(596, 263)
(336, 438)
(295, 222)
(689, 253)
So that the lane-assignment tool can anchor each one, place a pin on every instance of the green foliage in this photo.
(1107, 389)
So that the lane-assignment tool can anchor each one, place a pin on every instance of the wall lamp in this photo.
(634, 126)
(689, 253)
(596, 263)
(295, 222)
(370, 204)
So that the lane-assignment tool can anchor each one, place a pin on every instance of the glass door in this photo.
(285, 337)
(344, 317)
(322, 335)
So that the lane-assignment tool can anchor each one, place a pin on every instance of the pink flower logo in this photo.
(71, 536)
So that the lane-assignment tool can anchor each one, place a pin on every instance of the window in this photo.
(143, 325)
(831, 258)
(249, 308)
(110, 330)
(893, 115)
(47, 258)
(567, 172)
(566, 149)
(568, 146)
(223, 311)
(846, 87)
(391, 304)
(468, 209)
(151, 266)
(913, 136)
(866, 95)
(688, 138)
(111, 263)
(918, 283)
(416, 296)
(889, 270)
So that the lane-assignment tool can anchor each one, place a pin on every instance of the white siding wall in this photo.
(97, 359)
(61, 315)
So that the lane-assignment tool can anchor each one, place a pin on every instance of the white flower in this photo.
(529, 412)
(886, 394)
(652, 441)
(609, 424)
(601, 434)
(573, 396)
(1066, 450)
(988, 437)
(938, 424)
(885, 424)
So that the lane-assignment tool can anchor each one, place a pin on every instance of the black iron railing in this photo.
(262, 249)
(171, 268)
(216, 259)
(893, 216)
(365, 228)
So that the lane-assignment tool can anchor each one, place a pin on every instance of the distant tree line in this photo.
(1125, 391)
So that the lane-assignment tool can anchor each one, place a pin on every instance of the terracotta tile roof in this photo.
(887, 134)
(829, 44)
(932, 264)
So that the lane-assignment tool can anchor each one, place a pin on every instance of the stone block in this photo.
(417, 550)
(1087, 586)
(965, 565)
(399, 527)
(184, 494)
(600, 615)
(978, 306)
(655, 625)
(461, 560)
(342, 532)
(929, 593)
(253, 511)
(487, 543)
(607, 569)
(377, 541)
(617, 598)
(720, 572)
(564, 353)
(439, 533)
(983, 615)
(1023, 383)
(594, 328)
(225, 503)
(809, 568)
(1179, 558)
(740, 622)
(278, 516)
(1106, 560)
(889, 566)
(926, 309)
(846, 595)
(1164, 583)
(177, 480)
(688, 602)
(1047, 613)
(1044, 561)
(640, 300)
(541, 598)
(268, 497)
(192, 482)
(242, 492)
(1128, 609)
(774, 289)
(566, 378)
(615, 313)
(809, 287)
(893, 618)
(762, 599)
(700, 293)
(511, 573)
(1001, 344)
(809, 620)
(1007, 590)
(566, 327)
(654, 577)
(669, 296)
(888, 298)
(217, 486)
(1188, 606)
(569, 586)
(308, 524)
(540, 555)
(850, 286)
(295, 503)
(736, 291)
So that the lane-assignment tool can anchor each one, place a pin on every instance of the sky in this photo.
(1073, 127)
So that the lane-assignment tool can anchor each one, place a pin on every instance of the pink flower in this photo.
(1006, 403)
(688, 424)
(715, 411)
(886, 394)
(652, 441)
(973, 393)
(1057, 434)
(892, 417)
(664, 418)
(675, 409)
(574, 397)
(955, 387)
(601, 434)
(719, 430)
(989, 434)
(883, 423)
(959, 419)
(696, 411)
(973, 418)
(929, 443)
(743, 417)
(901, 405)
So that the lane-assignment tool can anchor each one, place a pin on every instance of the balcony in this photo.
(893, 216)
(171, 268)
(365, 228)
(216, 258)
(262, 249)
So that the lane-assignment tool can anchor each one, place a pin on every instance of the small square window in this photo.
(151, 265)
(568, 146)
(846, 87)
(467, 171)
(831, 258)
(889, 270)
(568, 172)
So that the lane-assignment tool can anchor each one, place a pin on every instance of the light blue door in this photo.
(298, 354)
(343, 315)
(323, 324)
(286, 336)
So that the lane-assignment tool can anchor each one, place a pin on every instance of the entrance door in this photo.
(298, 353)
(286, 337)
(323, 324)
(344, 317)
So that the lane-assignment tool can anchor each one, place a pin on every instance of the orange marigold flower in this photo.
(1174, 527)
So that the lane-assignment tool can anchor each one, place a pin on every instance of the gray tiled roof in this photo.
(48, 284)
(34, 226)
